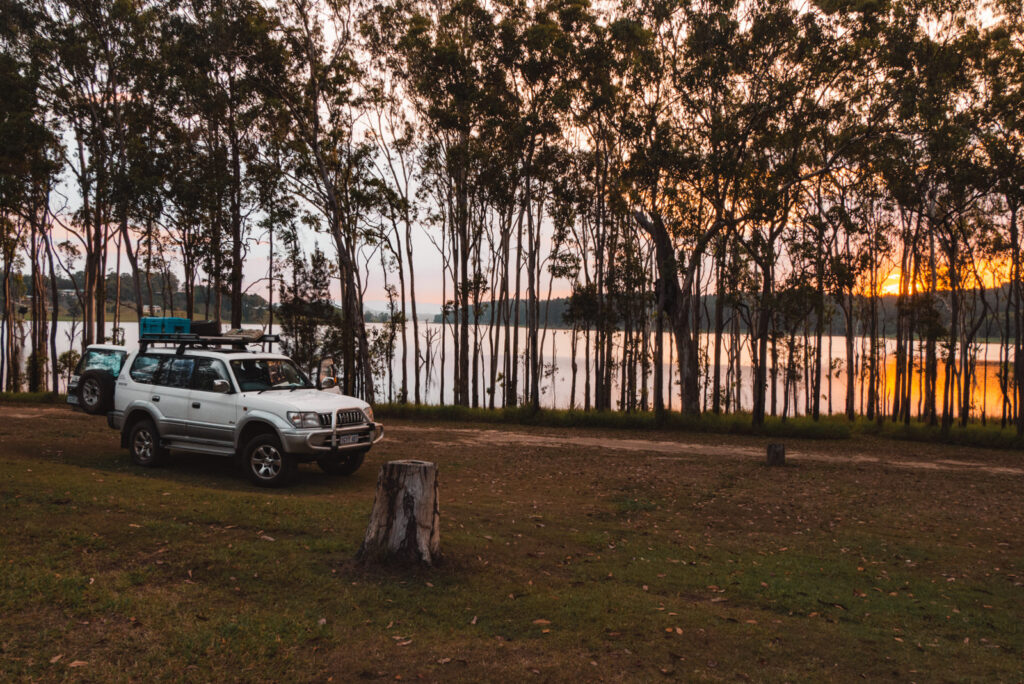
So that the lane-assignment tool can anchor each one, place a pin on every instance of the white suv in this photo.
(257, 407)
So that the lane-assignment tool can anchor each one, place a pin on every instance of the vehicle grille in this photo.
(350, 417)
(325, 419)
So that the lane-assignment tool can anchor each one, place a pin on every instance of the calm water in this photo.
(557, 376)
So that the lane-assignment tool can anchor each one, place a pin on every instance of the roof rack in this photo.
(236, 339)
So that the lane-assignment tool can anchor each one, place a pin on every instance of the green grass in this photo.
(563, 563)
(736, 423)
(827, 427)
(990, 436)
(32, 398)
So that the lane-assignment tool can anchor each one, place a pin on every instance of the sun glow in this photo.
(991, 273)
(890, 285)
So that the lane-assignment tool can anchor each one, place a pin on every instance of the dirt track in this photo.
(692, 450)
(660, 446)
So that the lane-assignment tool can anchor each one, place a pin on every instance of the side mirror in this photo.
(221, 386)
(328, 383)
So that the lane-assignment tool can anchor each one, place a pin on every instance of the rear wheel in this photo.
(144, 445)
(343, 464)
(266, 463)
(96, 392)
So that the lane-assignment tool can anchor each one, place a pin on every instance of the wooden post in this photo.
(404, 525)
(776, 455)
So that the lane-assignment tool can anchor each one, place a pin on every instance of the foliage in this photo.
(310, 321)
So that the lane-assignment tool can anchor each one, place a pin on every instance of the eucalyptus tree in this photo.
(726, 99)
(927, 55)
(310, 323)
(28, 151)
(541, 50)
(214, 56)
(394, 133)
(1002, 139)
(316, 84)
(90, 79)
(454, 81)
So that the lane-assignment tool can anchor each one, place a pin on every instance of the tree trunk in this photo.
(404, 525)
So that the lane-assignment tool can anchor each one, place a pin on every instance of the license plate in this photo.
(347, 439)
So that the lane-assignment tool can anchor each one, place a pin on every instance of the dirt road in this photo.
(692, 446)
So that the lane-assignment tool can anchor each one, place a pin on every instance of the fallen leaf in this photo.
(541, 621)
(473, 621)
(56, 658)
(266, 537)
(78, 663)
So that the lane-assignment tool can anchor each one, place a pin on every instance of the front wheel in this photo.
(342, 464)
(144, 445)
(266, 463)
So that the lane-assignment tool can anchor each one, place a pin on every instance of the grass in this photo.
(565, 563)
(990, 436)
(32, 398)
(734, 423)
(835, 427)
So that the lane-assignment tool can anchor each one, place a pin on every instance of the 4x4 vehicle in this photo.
(91, 387)
(257, 407)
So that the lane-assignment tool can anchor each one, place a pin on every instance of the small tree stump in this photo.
(405, 524)
(776, 455)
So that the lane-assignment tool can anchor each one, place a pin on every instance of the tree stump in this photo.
(776, 455)
(405, 524)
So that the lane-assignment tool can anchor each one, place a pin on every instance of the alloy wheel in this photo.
(143, 445)
(266, 462)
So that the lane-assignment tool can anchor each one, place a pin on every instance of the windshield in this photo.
(267, 374)
(102, 359)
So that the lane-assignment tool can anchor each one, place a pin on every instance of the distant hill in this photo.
(552, 314)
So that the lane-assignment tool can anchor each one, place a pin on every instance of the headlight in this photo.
(304, 419)
(369, 413)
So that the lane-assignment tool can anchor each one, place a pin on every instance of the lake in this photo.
(556, 381)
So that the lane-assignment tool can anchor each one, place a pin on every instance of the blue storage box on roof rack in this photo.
(164, 326)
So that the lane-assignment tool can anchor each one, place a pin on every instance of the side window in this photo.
(145, 367)
(176, 371)
(206, 371)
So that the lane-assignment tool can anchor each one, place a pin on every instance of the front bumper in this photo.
(335, 441)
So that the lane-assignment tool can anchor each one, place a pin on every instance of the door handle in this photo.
(156, 398)
(195, 404)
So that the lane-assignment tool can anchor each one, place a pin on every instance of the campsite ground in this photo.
(578, 554)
